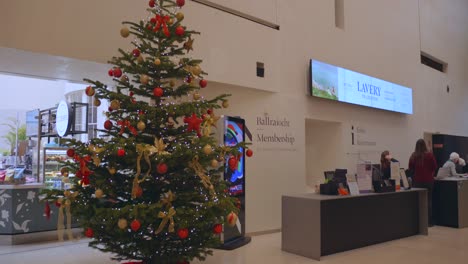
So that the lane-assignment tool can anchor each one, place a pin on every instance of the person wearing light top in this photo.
(452, 163)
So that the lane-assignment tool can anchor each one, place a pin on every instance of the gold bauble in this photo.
(196, 70)
(157, 62)
(140, 59)
(141, 125)
(144, 79)
(221, 159)
(125, 32)
(225, 104)
(172, 83)
(112, 170)
(170, 22)
(214, 163)
(97, 102)
(196, 96)
(180, 16)
(115, 104)
(66, 193)
(99, 193)
(124, 78)
(207, 149)
(122, 223)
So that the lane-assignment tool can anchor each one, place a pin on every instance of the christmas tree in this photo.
(151, 188)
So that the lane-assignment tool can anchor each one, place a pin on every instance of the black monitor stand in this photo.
(235, 243)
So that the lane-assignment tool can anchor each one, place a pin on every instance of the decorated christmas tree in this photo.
(151, 188)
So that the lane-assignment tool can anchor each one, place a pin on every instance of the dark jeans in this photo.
(430, 187)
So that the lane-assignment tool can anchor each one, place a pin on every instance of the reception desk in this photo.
(316, 225)
(22, 215)
(450, 201)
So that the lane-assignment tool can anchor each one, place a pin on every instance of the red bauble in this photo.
(135, 225)
(232, 163)
(89, 232)
(217, 229)
(189, 79)
(130, 94)
(203, 83)
(249, 153)
(149, 27)
(89, 91)
(58, 204)
(180, 3)
(162, 168)
(153, 20)
(136, 53)
(179, 31)
(209, 111)
(183, 233)
(71, 153)
(110, 109)
(152, 3)
(117, 72)
(139, 192)
(121, 152)
(158, 92)
(111, 72)
(108, 125)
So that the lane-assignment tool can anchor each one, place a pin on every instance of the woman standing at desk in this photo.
(423, 165)
(385, 164)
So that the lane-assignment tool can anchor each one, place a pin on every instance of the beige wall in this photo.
(381, 39)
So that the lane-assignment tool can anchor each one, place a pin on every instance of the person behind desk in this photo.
(385, 164)
(452, 163)
(423, 165)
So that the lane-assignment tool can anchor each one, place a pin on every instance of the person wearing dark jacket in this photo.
(423, 165)
(385, 164)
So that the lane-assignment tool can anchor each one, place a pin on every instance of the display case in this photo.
(53, 161)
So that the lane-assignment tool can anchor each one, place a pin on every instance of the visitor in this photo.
(423, 166)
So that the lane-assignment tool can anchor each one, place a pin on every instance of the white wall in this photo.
(381, 38)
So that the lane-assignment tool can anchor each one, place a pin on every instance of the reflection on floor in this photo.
(444, 245)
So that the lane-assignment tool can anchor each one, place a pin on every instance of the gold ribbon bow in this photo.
(198, 168)
(167, 199)
(95, 154)
(65, 209)
(209, 121)
(143, 150)
(146, 151)
(169, 217)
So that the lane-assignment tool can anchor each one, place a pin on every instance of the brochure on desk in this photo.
(364, 177)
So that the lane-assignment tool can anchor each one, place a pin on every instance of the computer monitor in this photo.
(340, 175)
(329, 175)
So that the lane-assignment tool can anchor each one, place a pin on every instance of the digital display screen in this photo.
(339, 84)
(234, 134)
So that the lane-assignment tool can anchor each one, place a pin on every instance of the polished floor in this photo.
(443, 245)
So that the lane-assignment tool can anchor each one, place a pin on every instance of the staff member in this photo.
(385, 164)
(452, 163)
(423, 165)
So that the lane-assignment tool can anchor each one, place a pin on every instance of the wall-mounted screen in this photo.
(338, 84)
(234, 135)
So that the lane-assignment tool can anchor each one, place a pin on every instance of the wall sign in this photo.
(63, 119)
(274, 134)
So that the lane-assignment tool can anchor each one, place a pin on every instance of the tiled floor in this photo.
(444, 245)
